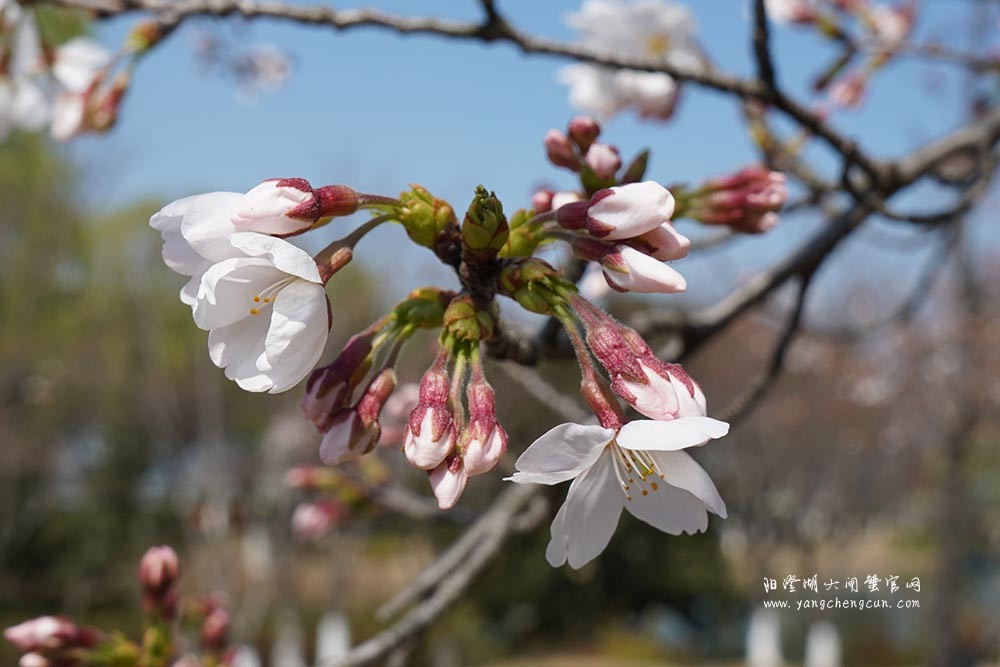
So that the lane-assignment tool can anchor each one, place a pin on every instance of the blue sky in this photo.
(377, 111)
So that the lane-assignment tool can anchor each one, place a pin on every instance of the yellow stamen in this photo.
(657, 45)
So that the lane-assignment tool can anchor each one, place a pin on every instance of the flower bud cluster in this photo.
(747, 201)
(345, 398)
(453, 433)
(627, 229)
(577, 149)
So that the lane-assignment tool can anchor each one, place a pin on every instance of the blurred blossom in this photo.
(792, 11)
(849, 91)
(260, 70)
(313, 520)
(648, 29)
(891, 25)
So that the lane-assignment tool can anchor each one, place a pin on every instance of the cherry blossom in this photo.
(266, 311)
(640, 467)
(650, 29)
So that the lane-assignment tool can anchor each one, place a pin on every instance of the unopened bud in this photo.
(159, 570)
(448, 481)
(484, 440)
(584, 130)
(424, 217)
(329, 388)
(215, 631)
(541, 201)
(464, 321)
(560, 151)
(430, 430)
(288, 206)
(603, 160)
(485, 228)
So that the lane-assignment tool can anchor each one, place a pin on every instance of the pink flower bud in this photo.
(603, 160)
(484, 440)
(668, 392)
(215, 630)
(348, 438)
(584, 130)
(329, 388)
(448, 481)
(541, 201)
(560, 199)
(747, 201)
(159, 570)
(429, 437)
(621, 212)
(663, 243)
(288, 206)
(482, 453)
(430, 432)
(50, 633)
(629, 270)
(849, 90)
(560, 151)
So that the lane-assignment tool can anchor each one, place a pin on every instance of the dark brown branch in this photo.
(761, 46)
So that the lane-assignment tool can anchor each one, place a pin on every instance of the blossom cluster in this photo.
(264, 302)
(69, 88)
(57, 641)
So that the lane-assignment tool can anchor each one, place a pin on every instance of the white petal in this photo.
(31, 107)
(593, 505)
(644, 274)
(206, 225)
(669, 509)
(662, 436)
(228, 288)
(297, 336)
(657, 399)
(561, 454)
(634, 209)
(77, 63)
(67, 116)
(682, 471)
(237, 348)
(189, 293)
(668, 243)
(178, 254)
(690, 406)
(282, 254)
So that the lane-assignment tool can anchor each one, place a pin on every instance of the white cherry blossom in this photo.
(640, 467)
(650, 29)
(196, 232)
(267, 313)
